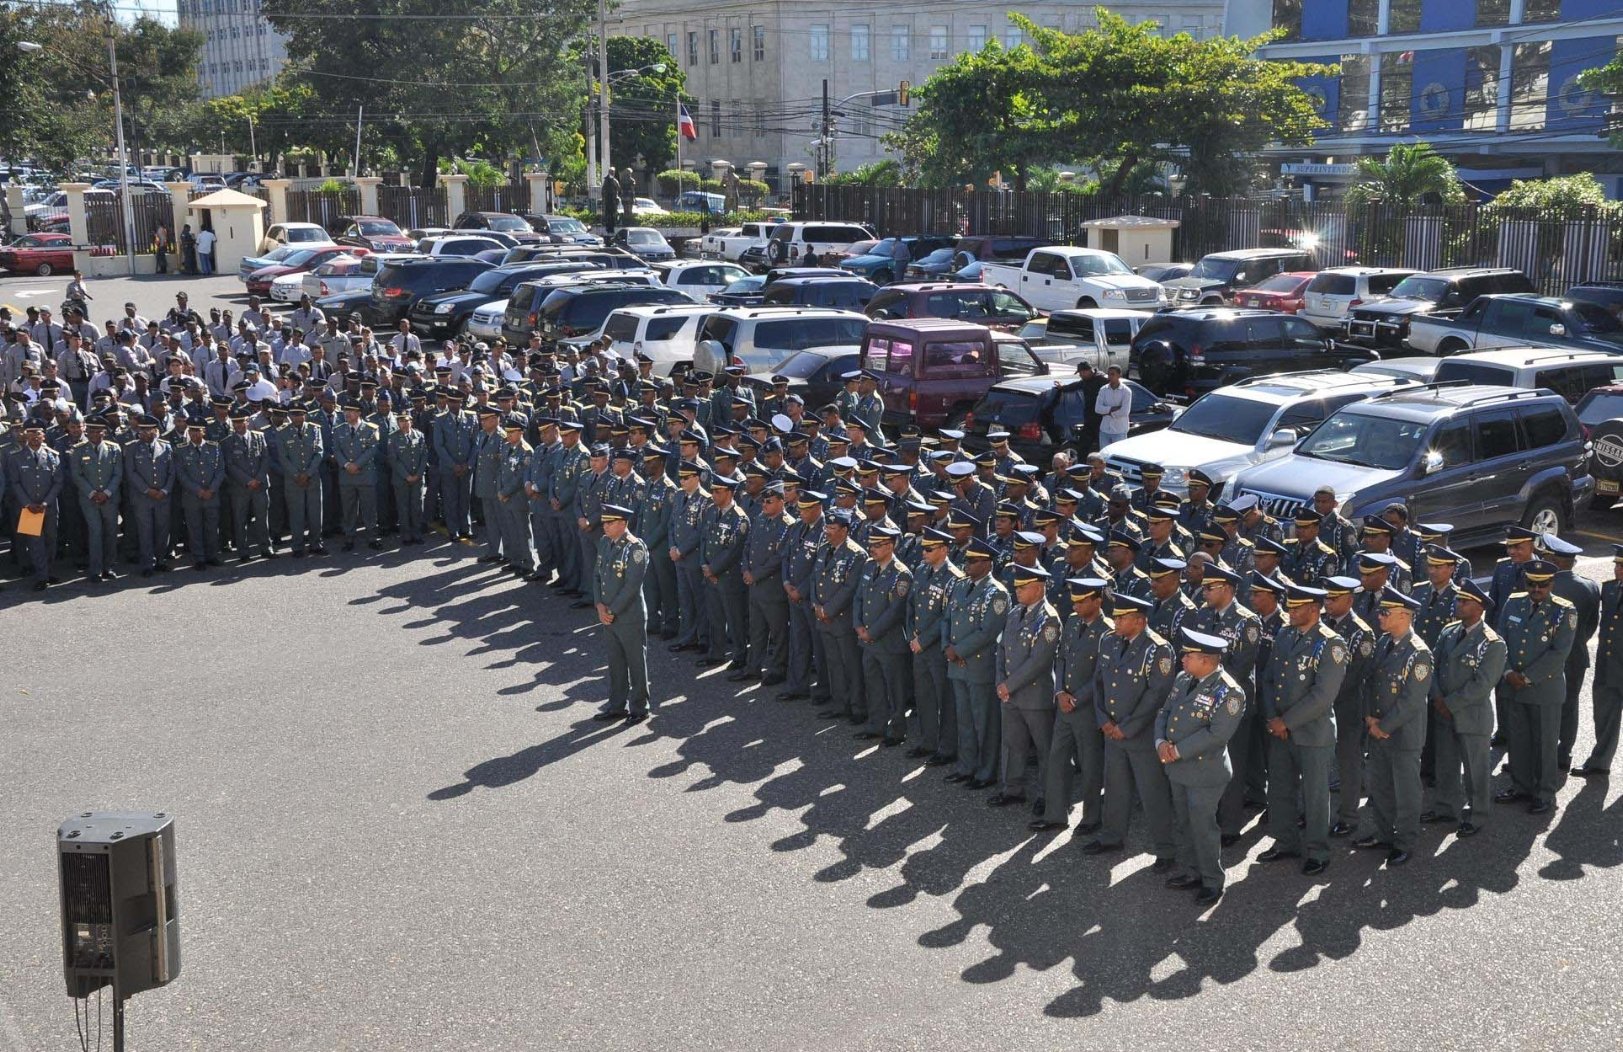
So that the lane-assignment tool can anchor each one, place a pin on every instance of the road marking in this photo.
(25, 294)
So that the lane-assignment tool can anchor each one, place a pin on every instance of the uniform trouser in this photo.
(330, 497)
(514, 520)
(844, 661)
(1257, 761)
(980, 728)
(769, 627)
(72, 531)
(456, 493)
(1075, 747)
(101, 525)
(565, 548)
(627, 641)
(1300, 773)
(1025, 731)
(1394, 795)
(152, 519)
(1569, 712)
(304, 514)
(659, 592)
(202, 527)
(1350, 734)
(1533, 734)
(1133, 766)
(884, 682)
(492, 529)
(1243, 754)
(129, 548)
(1471, 751)
(408, 506)
(690, 597)
(359, 509)
(177, 522)
(385, 502)
(1199, 844)
(586, 541)
(431, 494)
(808, 657)
(1608, 707)
(540, 532)
(42, 549)
(728, 606)
(250, 518)
(278, 507)
(932, 723)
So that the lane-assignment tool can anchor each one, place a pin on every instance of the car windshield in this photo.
(1226, 418)
(1092, 266)
(1595, 319)
(378, 228)
(1365, 441)
(565, 226)
(936, 258)
(491, 281)
(1419, 287)
(1210, 268)
(643, 237)
(752, 283)
(510, 223)
(1600, 406)
(1279, 283)
(801, 365)
(306, 234)
(776, 340)
(663, 330)
(282, 253)
(300, 258)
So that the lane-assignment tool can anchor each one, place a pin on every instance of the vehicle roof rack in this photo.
(1435, 385)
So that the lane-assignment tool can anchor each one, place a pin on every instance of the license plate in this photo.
(1606, 486)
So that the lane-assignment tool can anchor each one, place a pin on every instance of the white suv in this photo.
(1334, 292)
(789, 242)
(761, 337)
(667, 333)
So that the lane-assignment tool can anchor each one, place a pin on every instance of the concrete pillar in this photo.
(180, 200)
(369, 193)
(16, 205)
(538, 190)
(277, 189)
(456, 195)
(78, 223)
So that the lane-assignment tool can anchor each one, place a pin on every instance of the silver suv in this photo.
(1334, 292)
(761, 337)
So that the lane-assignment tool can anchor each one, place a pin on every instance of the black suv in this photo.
(501, 222)
(1219, 275)
(1385, 323)
(1476, 456)
(839, 293)
(402, 283)
(579, 310)
(443, 314)
(1189, 352)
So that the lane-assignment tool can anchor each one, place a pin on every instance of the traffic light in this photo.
(902, 93)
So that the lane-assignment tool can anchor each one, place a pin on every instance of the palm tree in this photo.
(1411, 174)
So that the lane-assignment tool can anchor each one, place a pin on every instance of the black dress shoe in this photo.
(1468, 829)
(1228, 839)
(980, 783)
(955, 777)
(1183, 882)
(269, 555)
(917, 752)
(1276, 854)
(1396, 857)
(1207, 896)
(1432, 818)
(734, 666)
(680, 648)
(245, 558)
(1341, 829)
(40, 586)
(1509, 796)
(1039, 826)
(789, 695)
(320, 549)
(216, 562)
(1367, 842)
(1003, 800)
(746, 676)
(831, 714)
(706, 662)
(1088, 828)
(580, 604)
(1587, 771)
(1540, 807)
(1099, 847)
(856, 719)
(482, 558)
(1163, 865)
(772, 680)
(608, 717)
(868, 736)
(890, 743)
(937, 760)
(298, 553)
(1314, 866)
(636, 717)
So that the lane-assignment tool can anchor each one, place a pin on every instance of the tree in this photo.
(1608, 80)
(642, 102)
(880, 173)
(438, 78)
(1409, 175)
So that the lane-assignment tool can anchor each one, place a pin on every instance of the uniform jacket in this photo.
(1305, 674)
(1539, 639)
(1132, 681)
(1025, 655)
(97, 468)
(835, 577)
(766, 549)
(407, 455)
(881, 603)
(1469, 664)
(1398, 687)
(617, 584)
(247, 458)
(726, 532)
(976, 616)
(1243, 630)
(199, 467)
(933, 588)
(149, 467)
(1200, 717)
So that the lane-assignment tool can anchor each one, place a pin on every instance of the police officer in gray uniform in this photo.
(1224, 617)
(687, 535)
(969, 635)
(1395, 718)
(37, 478)
(1306, 668)
(1192, 732)
(835, 576)
(489, 447)
(1538, 627)
(1584, 595)
(1134, 677)
(622, 563)
(97, 470)
(1076, 746)
(1470, 661)
(768, 603)
(408, 454)
(199, 473)
(933, 721)
(149, 477)
(247, 480)
(302, 458)
(653, 524)
(726, 533)
(1025, 684)
(879, 613)
(1339, 593)
(1607, 692)
(803, 542)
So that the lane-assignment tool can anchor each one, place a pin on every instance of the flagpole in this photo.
(679, 148)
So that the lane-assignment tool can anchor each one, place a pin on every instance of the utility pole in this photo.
(822, 137)
(123, 154)
(603, 84)
(591, 132)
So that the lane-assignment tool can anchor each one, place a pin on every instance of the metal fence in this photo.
(513, 197)
(322, 206)
(1554, 248)
(413, 207)
(104, 218)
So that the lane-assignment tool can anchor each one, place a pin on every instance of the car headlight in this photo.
(1174, 478)
(445, 308)
(1115, 294)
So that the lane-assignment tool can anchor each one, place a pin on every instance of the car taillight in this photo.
(1354, 302)
(913, 400)
(531, 322)
(395, 292)
(324, 290)
(1197, 355)
(1030, 432)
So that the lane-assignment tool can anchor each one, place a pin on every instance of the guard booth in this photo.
(1136, 239)
(238, 222)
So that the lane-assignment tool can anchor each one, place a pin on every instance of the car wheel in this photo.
(1544, 514)
(1086, 303)
(44, 270)
(1451, 346)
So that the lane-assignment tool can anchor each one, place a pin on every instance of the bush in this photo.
(331, 186)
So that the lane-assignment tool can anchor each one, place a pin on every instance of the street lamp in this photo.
(605, 79)
(30, 47)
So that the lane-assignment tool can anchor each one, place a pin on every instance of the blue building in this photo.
(1492, 84)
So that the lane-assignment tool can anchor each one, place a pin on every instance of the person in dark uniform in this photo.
(1339, 593)
(1470, 661)
(617, 580)
(1395, 718)
(1584, 595)
(836, 573)
(1539, 628)
(1025, 684)
(969, 633)
(726, 534)
(933, 723)
(1607, 691)
(1076, 746)
(879, 612)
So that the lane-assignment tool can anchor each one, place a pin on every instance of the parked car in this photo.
(1192, 351)
(1570, 374)
(1060, 278)
(259, 281)
(1385, 325)
(278, 234)
(745, 292)
(753, 258)
(982, 304)
(609, 258)
(498, 222)
(934, 266)
(349, 302)
(1334, 292)
(887, 260)
(1601, 414)
(1422, 368)
(759, 338)
(1282, 292)
(1043, 416)
(1101, 336)
(645, 242)
(1516, 320)
(731, 242)
(835, 258)
(402, 283)
(289, 287)
(277, 255)
(1219, 276)
(699, 279)
(1477, 457)
(576, 311)
(815, 374)
(562, 230)
(441, 315)
(455, 245)
(40, 254)
(372, 232)
(1608, 294)
(419, 233)
(701, 201)
(932, 370)
(1162, 273)
(996, 248)
(647, 206)
(1226, 431)
(665, 332)
(789, 242)
(841, 293)
(336, 276)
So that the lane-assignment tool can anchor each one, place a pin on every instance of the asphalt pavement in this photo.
(399, 829)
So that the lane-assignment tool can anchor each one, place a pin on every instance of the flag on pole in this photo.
(684, 123)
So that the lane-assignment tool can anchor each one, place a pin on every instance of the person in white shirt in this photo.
(1114, 405)
(404, 341)
(205, 251)
(221, 373)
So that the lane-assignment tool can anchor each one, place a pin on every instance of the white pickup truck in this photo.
(1062, 278)
(732, 246)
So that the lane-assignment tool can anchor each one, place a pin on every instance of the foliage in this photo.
(1566, 193)
(673, 181)
(752, 191)
(332, 186)
(1116, 97)
(1608, 80)
(479, 172)
(262, 122)
(887, 172)
(642, 105)
(450, 78)
(1411, 174)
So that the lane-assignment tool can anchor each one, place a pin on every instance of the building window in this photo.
(693, 47)
(715, 120)
(1353, 112)
(715, 46)
(819, 43)
(901, 43)
(1529, 85)
(1481, 88)
(1541, 10)
(759, 35)
(1194, 25)
(670, 44)
(1363, 17)
(1013, 37)
(859, 43)
(1397, 84)
(760, 123)
(1493, 12)
(1288, 16)
(977, 38)
(735, 44)
(1403, 17)
(938, 43)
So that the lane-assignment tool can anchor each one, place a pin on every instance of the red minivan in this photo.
(932, 370)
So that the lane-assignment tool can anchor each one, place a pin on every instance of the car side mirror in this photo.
(1432, 463)
(1557, 329)
(1282, 438)
(1240, 278)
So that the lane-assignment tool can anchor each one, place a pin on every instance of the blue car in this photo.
(888, 260)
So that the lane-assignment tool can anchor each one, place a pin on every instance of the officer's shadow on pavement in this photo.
(1588, 835)
(503, 771)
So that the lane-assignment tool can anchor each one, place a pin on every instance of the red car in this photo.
(38, 254)
(372, 232)
(1282, 292)
(259, 282)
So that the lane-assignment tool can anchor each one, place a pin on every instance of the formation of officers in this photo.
(1053, 636)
